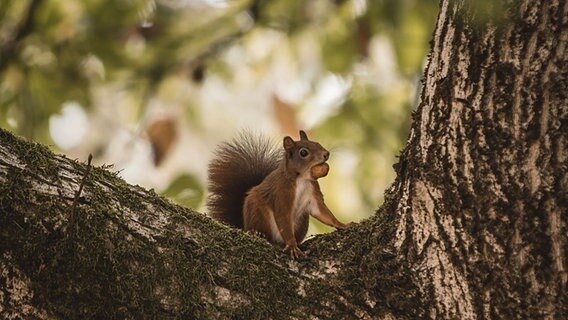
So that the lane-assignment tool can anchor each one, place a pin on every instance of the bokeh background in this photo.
(152, 86)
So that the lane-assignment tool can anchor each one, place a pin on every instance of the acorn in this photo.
(320, 170)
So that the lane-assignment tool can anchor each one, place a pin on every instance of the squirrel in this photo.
(270, 192)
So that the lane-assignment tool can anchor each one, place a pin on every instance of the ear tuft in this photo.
(303, 135)
(288, 143)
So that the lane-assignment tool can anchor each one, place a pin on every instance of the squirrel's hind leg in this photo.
(301, 227)
(259, 220)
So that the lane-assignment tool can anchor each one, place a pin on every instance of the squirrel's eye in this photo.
(304, 153)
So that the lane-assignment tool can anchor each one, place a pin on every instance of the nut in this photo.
(320, 170)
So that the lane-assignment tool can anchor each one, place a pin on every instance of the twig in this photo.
(73, 217)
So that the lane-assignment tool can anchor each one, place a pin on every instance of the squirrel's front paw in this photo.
(294, 251)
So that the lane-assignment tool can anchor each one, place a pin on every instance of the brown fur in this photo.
(238, 166)
(279, 206)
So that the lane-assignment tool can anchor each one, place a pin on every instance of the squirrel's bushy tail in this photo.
(238, 166)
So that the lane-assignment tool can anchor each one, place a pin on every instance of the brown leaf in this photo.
(285, 115)
(162, 134)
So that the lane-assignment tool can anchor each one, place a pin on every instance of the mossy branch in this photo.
(135, 254)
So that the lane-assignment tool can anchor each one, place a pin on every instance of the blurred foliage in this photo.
(119, 59)
(185, 190)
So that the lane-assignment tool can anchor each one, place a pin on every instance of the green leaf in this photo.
(186, 190)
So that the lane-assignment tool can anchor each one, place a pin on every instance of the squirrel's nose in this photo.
(326, 155)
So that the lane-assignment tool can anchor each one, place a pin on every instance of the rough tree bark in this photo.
(482, 185)
(474, 226)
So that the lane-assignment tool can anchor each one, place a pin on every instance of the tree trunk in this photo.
(474, 226)
(482, 185)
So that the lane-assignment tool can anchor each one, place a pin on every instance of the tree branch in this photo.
(8, 49)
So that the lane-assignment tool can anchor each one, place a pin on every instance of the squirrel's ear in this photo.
(288, 143)
(303, 135)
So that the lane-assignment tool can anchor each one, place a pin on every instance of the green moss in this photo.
(37, 157)
(98, 268)
(370, 269)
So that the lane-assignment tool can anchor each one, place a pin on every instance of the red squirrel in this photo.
(270, 192)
